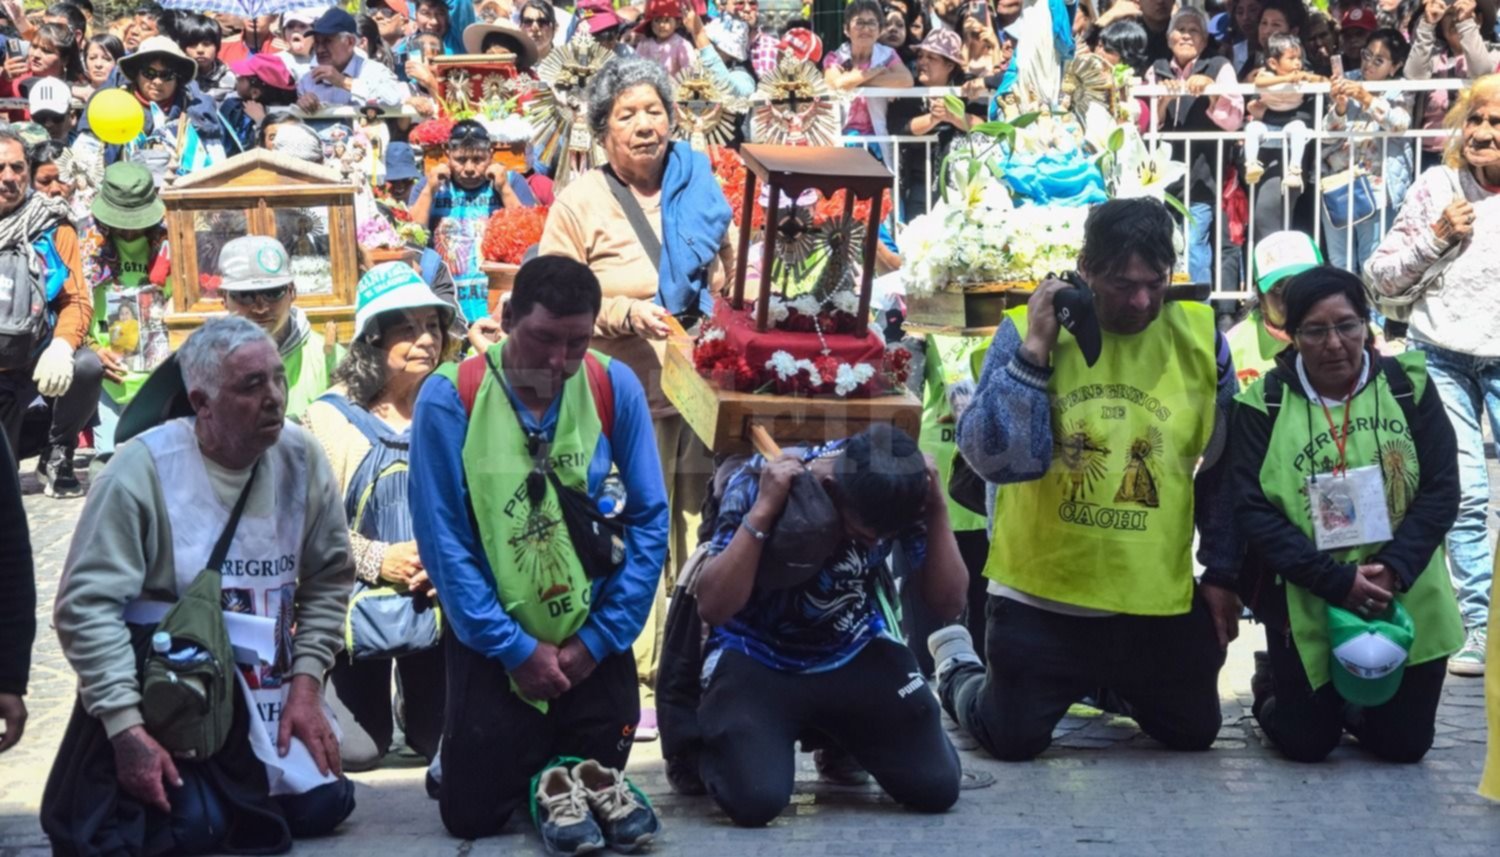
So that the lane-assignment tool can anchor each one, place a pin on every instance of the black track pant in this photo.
(1164, 670)
(360, 693)
(877, 707)
(494, 742)
(1305, 725)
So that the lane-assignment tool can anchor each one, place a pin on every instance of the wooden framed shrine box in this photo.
(308, 207)
(722, 418)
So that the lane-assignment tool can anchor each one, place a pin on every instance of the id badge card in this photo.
(1349, 510)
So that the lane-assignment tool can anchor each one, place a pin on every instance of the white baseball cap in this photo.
(49, 95)
(252, 263)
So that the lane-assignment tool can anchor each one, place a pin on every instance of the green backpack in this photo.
(187, 689)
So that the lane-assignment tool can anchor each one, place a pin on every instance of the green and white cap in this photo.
(390, 286)
(1368, 656)
(1282, 254)
(253, 263)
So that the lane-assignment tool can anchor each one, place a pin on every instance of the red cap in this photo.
(1358, 18)
(803, 44)
(267, 67)
(400, 7)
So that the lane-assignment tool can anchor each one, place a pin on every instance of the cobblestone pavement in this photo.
(1104, 788)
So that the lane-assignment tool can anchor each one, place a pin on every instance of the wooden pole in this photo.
(763, 442)
(747, 214)
(768, 257)
(867, 273)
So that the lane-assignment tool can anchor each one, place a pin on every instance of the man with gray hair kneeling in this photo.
(216, 478)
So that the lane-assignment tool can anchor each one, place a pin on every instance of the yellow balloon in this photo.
(116, 117)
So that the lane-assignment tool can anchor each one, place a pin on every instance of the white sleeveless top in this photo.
(259, 573)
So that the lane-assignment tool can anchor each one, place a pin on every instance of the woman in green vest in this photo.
(1347, 473)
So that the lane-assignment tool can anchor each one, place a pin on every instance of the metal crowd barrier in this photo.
(1225, 154)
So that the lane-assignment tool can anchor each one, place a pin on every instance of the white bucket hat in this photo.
(390, 286)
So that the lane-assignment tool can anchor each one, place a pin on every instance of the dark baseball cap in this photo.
(334, 22)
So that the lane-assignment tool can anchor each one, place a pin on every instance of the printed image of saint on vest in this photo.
(1400, 479)
(1139, 484)
(541, 550)
(1081, 453)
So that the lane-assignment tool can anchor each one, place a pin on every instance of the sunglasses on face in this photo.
(151, 73)
(535, 22)
(265, 296)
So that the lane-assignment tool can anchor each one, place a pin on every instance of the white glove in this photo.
(54, 369)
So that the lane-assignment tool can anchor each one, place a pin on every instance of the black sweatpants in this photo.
(71, 412)
(1305, 725)
(877, 708)
(917, 620)
(1163, 669)
(360, 693)
(494, 742)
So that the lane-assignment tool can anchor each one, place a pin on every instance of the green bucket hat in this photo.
(127, 198)
(1367, 656)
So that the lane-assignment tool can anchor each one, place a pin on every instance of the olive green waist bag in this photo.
(187, 686)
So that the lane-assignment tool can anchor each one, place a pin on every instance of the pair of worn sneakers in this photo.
(587, 807)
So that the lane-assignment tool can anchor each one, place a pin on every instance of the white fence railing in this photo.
(1231, 278)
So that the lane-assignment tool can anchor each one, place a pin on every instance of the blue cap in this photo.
(400, 163)
(334, 22)
(1219, 26)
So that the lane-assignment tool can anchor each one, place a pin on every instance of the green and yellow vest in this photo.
(1109, 526)
(1252, 348)
(947, 364)
(1378, 435)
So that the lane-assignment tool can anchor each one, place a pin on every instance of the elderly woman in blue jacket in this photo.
(630, 110)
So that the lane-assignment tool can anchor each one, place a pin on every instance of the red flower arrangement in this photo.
(722, 363)
(433, 132)
(897, 365)
(511, 231)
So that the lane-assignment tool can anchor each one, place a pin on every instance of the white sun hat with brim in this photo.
(394, 286)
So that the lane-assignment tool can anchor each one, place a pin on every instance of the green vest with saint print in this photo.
(1109, 526)
(1303, 444)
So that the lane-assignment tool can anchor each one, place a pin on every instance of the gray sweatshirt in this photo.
(122, 550)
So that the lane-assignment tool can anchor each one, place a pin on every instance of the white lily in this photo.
(1151, 176)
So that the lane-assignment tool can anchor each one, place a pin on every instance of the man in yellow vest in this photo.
(508, 450)
(1255, 342)
(1103, 471)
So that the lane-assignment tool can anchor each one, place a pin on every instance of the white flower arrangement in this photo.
(977, 237)
(783, 364)
(851, 378)
(846, 301)
(511, 129)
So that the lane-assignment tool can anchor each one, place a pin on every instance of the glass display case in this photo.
(308, 207)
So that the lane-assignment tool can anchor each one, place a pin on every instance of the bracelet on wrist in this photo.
(757, 534)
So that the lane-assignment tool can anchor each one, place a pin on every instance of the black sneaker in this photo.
(839, 768)
(683, 776)
(55, 470)
(623, 813)
(562, 814)
(1261, 684)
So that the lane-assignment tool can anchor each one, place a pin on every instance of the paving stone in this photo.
(1103, 789)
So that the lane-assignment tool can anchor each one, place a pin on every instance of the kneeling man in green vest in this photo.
(1104, 466)
(512, 452)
